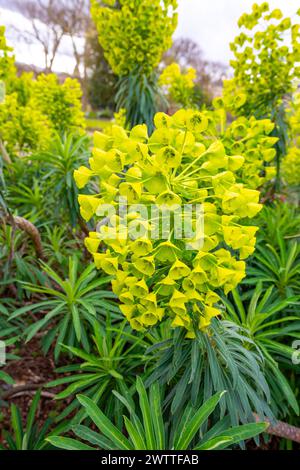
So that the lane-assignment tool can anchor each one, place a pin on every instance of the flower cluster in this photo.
(179, 85)
(59, 102)
(266, 62)
(250, 138)
(158, 277)
(134, 33)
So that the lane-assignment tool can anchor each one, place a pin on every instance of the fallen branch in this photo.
(20, 389)
(48, 395)
(281, 429)
(4, 153)
(30, 229)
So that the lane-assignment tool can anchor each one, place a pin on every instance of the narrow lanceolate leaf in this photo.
(16, 421)
(76, 321)
(104, 424)
(158, 423)
(215, 443)
(147, 414)
(134, 435)
(32, 413)
(6, 378)
(92, 437)
(67, 443)
(234, 436)
(188, 432)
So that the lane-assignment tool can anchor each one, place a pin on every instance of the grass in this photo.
(92, 124)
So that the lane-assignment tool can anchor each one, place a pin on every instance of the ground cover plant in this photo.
(150, 263)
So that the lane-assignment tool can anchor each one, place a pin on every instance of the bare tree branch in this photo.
(51, 21)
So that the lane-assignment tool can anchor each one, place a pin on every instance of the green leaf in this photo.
(32, 413)
(193, 425)
(6, 378)
(16, 422)
(134, 435)
(104, 424)
(215, 443)
(147, 414)
(235, 435)
(92, 437)
(158, 423)
(76, 321)
(67, 443)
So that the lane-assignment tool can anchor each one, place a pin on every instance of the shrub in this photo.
(23, 128)
(33, 109)
(291, 167)
(61, 103)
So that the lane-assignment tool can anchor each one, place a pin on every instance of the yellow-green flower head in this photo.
(136, 33)
(166, 276)
(179, 84)
(266, 62)
(291, 162)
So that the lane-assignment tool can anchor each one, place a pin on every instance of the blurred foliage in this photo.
(61, 103)
(101, 80)
(179, 85)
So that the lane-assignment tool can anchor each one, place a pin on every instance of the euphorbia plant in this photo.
(266, 65)
(163, 277)
(179, 84)
(134, 32)
(134, 35)
(250, 137)
(266, 62)
(291, 162)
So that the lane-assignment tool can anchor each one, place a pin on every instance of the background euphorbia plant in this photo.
(291, 163)
(158, 279)
(179, 84)
(134, 35)
(266, 65)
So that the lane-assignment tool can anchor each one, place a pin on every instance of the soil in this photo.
(32, 369)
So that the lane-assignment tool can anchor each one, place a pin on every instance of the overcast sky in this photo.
(211, 23)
